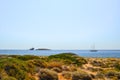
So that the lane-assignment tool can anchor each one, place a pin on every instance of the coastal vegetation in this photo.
(64, 66)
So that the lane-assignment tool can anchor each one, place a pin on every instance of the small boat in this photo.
(93, 49)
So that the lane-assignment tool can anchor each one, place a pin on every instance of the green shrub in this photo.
(38, 63)
(67, 75)
(9, 78)
(46, 74)
(80, 75)
(94, 69)
(69, 58)
(117, 66)
(54, 63)
(100, 75)
(27, 57)
(111, 74)
(98, 63)
(16, 68)
(56, 69)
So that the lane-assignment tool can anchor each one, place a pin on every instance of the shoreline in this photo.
(83, 53)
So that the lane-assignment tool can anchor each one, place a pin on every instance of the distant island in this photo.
(32, 49)
(39, 49)
(42, 49)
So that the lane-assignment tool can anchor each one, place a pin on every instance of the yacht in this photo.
(93, 49)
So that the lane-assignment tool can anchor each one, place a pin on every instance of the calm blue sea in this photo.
(84, 53)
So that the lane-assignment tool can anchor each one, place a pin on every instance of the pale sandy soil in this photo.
(36, 76)
(88, 71)
(61, 77)
(84, 69)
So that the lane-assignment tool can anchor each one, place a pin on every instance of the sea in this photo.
(83, 53)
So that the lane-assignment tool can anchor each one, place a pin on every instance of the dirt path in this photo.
(86, 66)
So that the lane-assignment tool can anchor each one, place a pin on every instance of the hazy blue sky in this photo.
(59, 24)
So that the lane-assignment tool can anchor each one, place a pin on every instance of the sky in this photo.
(59, 24)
